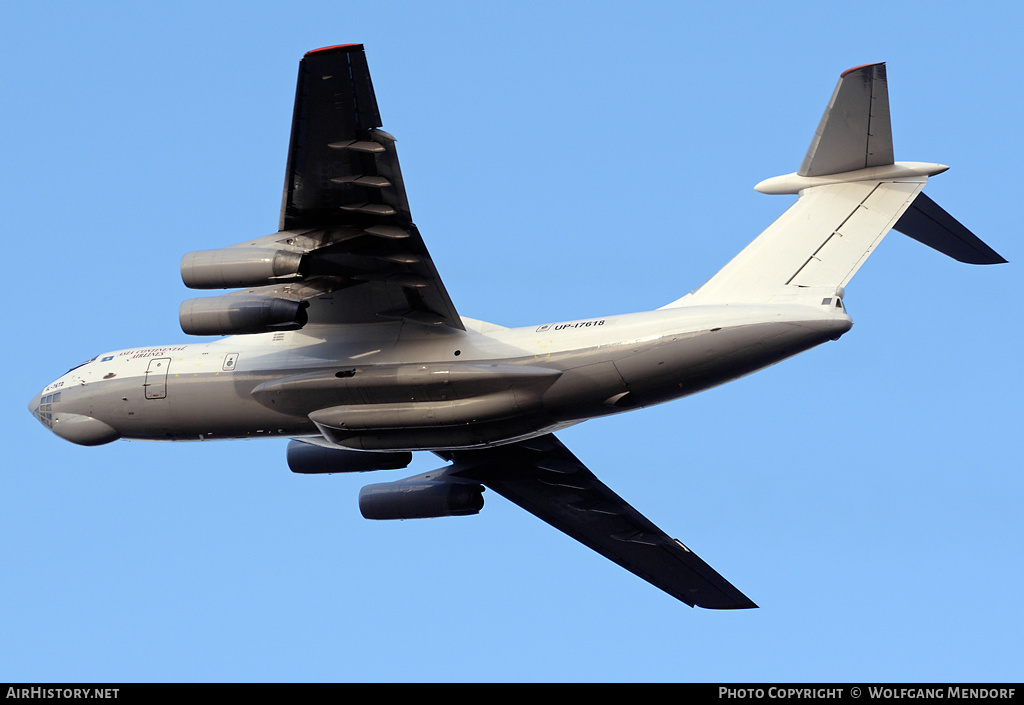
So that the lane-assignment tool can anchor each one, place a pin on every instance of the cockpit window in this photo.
(81, 364)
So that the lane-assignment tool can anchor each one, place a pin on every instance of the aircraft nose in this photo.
(79, 429)
(33, 406)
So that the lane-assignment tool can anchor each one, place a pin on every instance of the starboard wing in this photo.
(543, 477)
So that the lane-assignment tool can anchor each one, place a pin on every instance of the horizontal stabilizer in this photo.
(929, 224)
(855, 131)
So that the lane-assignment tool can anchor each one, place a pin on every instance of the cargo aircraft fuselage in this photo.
(402, 386)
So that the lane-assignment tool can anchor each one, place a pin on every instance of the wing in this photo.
(346, 232)
(335, 114)
(543, 477)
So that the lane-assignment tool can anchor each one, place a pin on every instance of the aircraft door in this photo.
(156, 378)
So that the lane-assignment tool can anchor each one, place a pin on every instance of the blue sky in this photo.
(563, 160)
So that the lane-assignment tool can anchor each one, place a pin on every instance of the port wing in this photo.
(344, 183)
(347, 242)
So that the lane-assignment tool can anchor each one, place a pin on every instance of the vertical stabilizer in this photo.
(851, 193)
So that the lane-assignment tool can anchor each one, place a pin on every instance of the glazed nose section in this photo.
(33, 406)
(40, 407)
(83, 430)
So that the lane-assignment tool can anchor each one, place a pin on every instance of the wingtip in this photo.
(862, 66)
(748, 605)
(336, 48)
(737, 601)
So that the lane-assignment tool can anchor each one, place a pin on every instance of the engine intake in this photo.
(420, 499)
(235, 315)
(233, 267)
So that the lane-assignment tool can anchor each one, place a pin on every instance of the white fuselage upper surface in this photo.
(398, 385)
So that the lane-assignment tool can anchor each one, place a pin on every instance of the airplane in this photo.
(340, 334)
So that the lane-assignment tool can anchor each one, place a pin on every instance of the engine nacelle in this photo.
(235, 315)
(420, 499)
(310, 459)
(234, 267)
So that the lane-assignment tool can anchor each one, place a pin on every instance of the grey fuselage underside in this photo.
(407, 386)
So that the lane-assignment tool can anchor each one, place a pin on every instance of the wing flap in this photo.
(543, 477)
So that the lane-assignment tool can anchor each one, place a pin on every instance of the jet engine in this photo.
(310, 459)
(235, 267)
(234, 315)
(420, 499)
